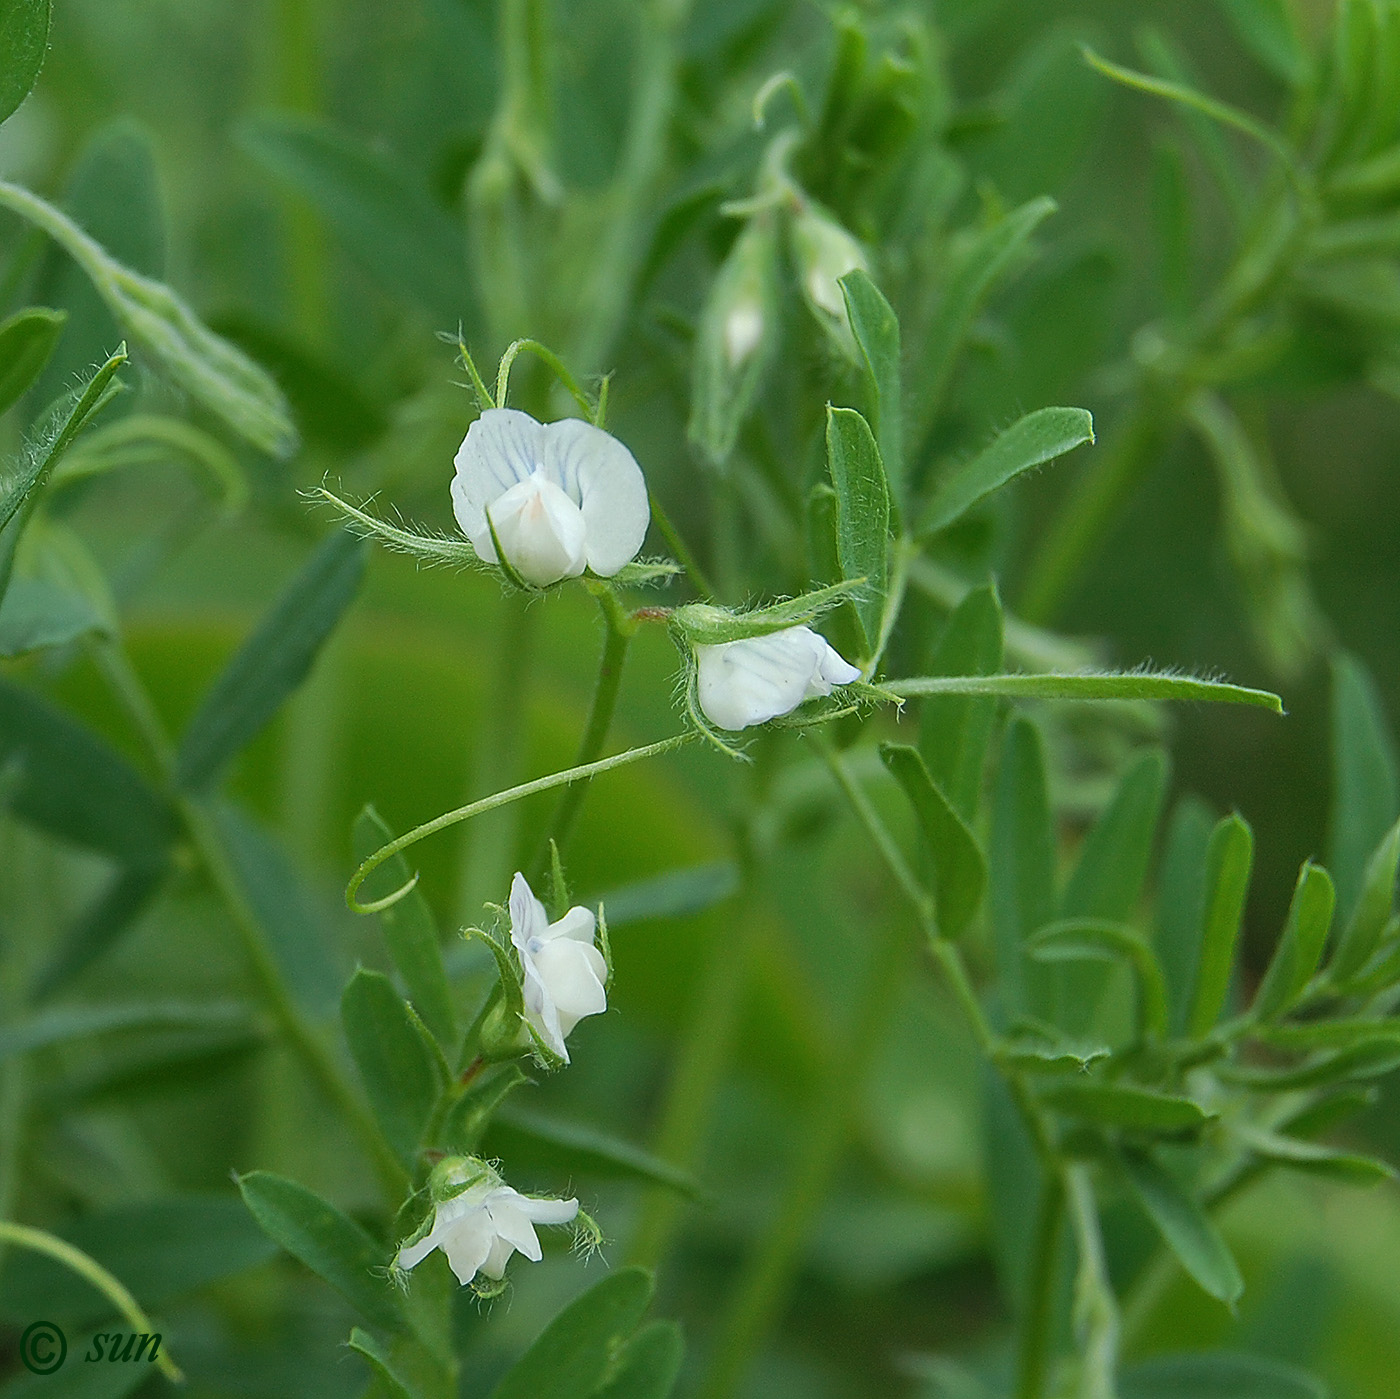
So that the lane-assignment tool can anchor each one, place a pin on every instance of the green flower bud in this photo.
(824, 252)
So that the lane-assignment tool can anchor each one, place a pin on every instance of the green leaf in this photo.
(959, 867)
(390, 1378)
(647, 1366)
(1185, 1226)
(410, 930)
(1036, 439)
(1368, 1059)
(1219, 1375)
(330, 1243)
(1300, 947)
(386, 221)
(1089, 939)
(27, 340)
(24, 40)
(1314, 1158)
(36, 615)
(161, 1248)
(73, 785)
(862, 513)
(1366, 927)
(542, 1143)
(876, 330)
(273, 662)
(954, 731)
(1103, 685)
(977, 263)
(399, 1073)
(1329, 1034)
(678, 893)
(702, 624)
(573, 1355)
(1123, 1105)
(1021, 864)
(1267, 29)
(1228, 863)
(1365, 778)
(1181, 897)
(64, 1024)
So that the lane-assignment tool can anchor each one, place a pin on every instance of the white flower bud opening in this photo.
(743, 329)
(748, 682)
(564, 974)
(562, 496)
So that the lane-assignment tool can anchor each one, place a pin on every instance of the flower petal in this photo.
(469, 1244)
(547, 1211)
(494, 1265)
(527, 916)
(578, 924)
(501, 447)
(512, 1224)
(540, 530)
(597, 471)
(573, 976)
(748, 682)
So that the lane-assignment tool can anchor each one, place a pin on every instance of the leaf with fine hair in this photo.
(862, 513)
(1101, 685)
(876, 330)
(27, 339)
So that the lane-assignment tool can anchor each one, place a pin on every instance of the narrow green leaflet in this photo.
(1314, 1158)
(573, 1355)
(1219, 1375)
(36, 615)
(410, 930)
(1185, 1226)
(1365, 778)
(330, 1243)
(391, 1380)
(876, 330)
(27, 339)
(387, 223)
(1229, 860)
(1021, 861)
(1366, 1059)
(1086, 939)
(399, 1073)
(1181, 897)
(1364, 930)
(1123, 1105)
(273, 662)
(678, 893)
(74, 785)
(208, 368)
(1329, 1034)
(1038, 438)
(959, 867)
(1301, 945)
(64, 1024)
(954, 730)
(648, 1366)
(24, 40)
(862, 513)
(546, 1143)
(1099, 685)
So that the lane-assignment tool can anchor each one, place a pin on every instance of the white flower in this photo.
(479, 1229)
(564, 972)
(825, 253)
(562, 496)
(758, 678)
(743, 330)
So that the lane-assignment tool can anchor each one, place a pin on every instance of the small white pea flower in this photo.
(561, 496)
(481, 1228)
(824, 252)
(565, 974)
(743, 331)
(758, 678)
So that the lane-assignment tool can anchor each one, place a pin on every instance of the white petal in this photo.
(547, 1211)
(747, 682)
(469, 1244)
(598, 472)
(577, 924)
(413, 1254)
(541, 532)
(835, 669)
(494, 1264)
(513, 1225)
(573, 976)
(501, 447)
(527, 916)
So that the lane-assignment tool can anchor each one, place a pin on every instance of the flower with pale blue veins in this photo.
(479, 1229)
(564, 975)
(561, 496)
(758, 678)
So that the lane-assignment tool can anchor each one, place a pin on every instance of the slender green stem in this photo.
(620, 630)
(93, 1272)
(1096, 1311)
(678, 547)
(1033, 1359)
(555, 364)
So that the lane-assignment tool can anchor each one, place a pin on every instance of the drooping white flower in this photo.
(758, 678)
(564, 973)
(562, 496)
(481, 1228)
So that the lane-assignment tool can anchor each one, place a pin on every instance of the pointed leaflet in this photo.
(1367, 924)
(1268, 30)
(24, 40)
(36, 615)
(330, 1243)
(1125, 1106)
(954, 730)
(1300, 947)
(1365, 780)
(1181, 899)
(648, 1366)
(1038, 438)
(574, 1354)
(1229, 859)
(273, 661)
(1088, 939)
(1021, 892)
(410, 930)
(27, 340)
(391, 1381)
(1185, 1226)
(400, 1075)
(959, 867)
(876, 330)
(1088, 685)
(862, 513)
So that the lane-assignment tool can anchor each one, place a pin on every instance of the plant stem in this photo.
(1096, 1311)
(1033, 1359)
(679, 548)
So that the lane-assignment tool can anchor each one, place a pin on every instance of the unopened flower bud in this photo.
(750, 681)
(824, 252)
